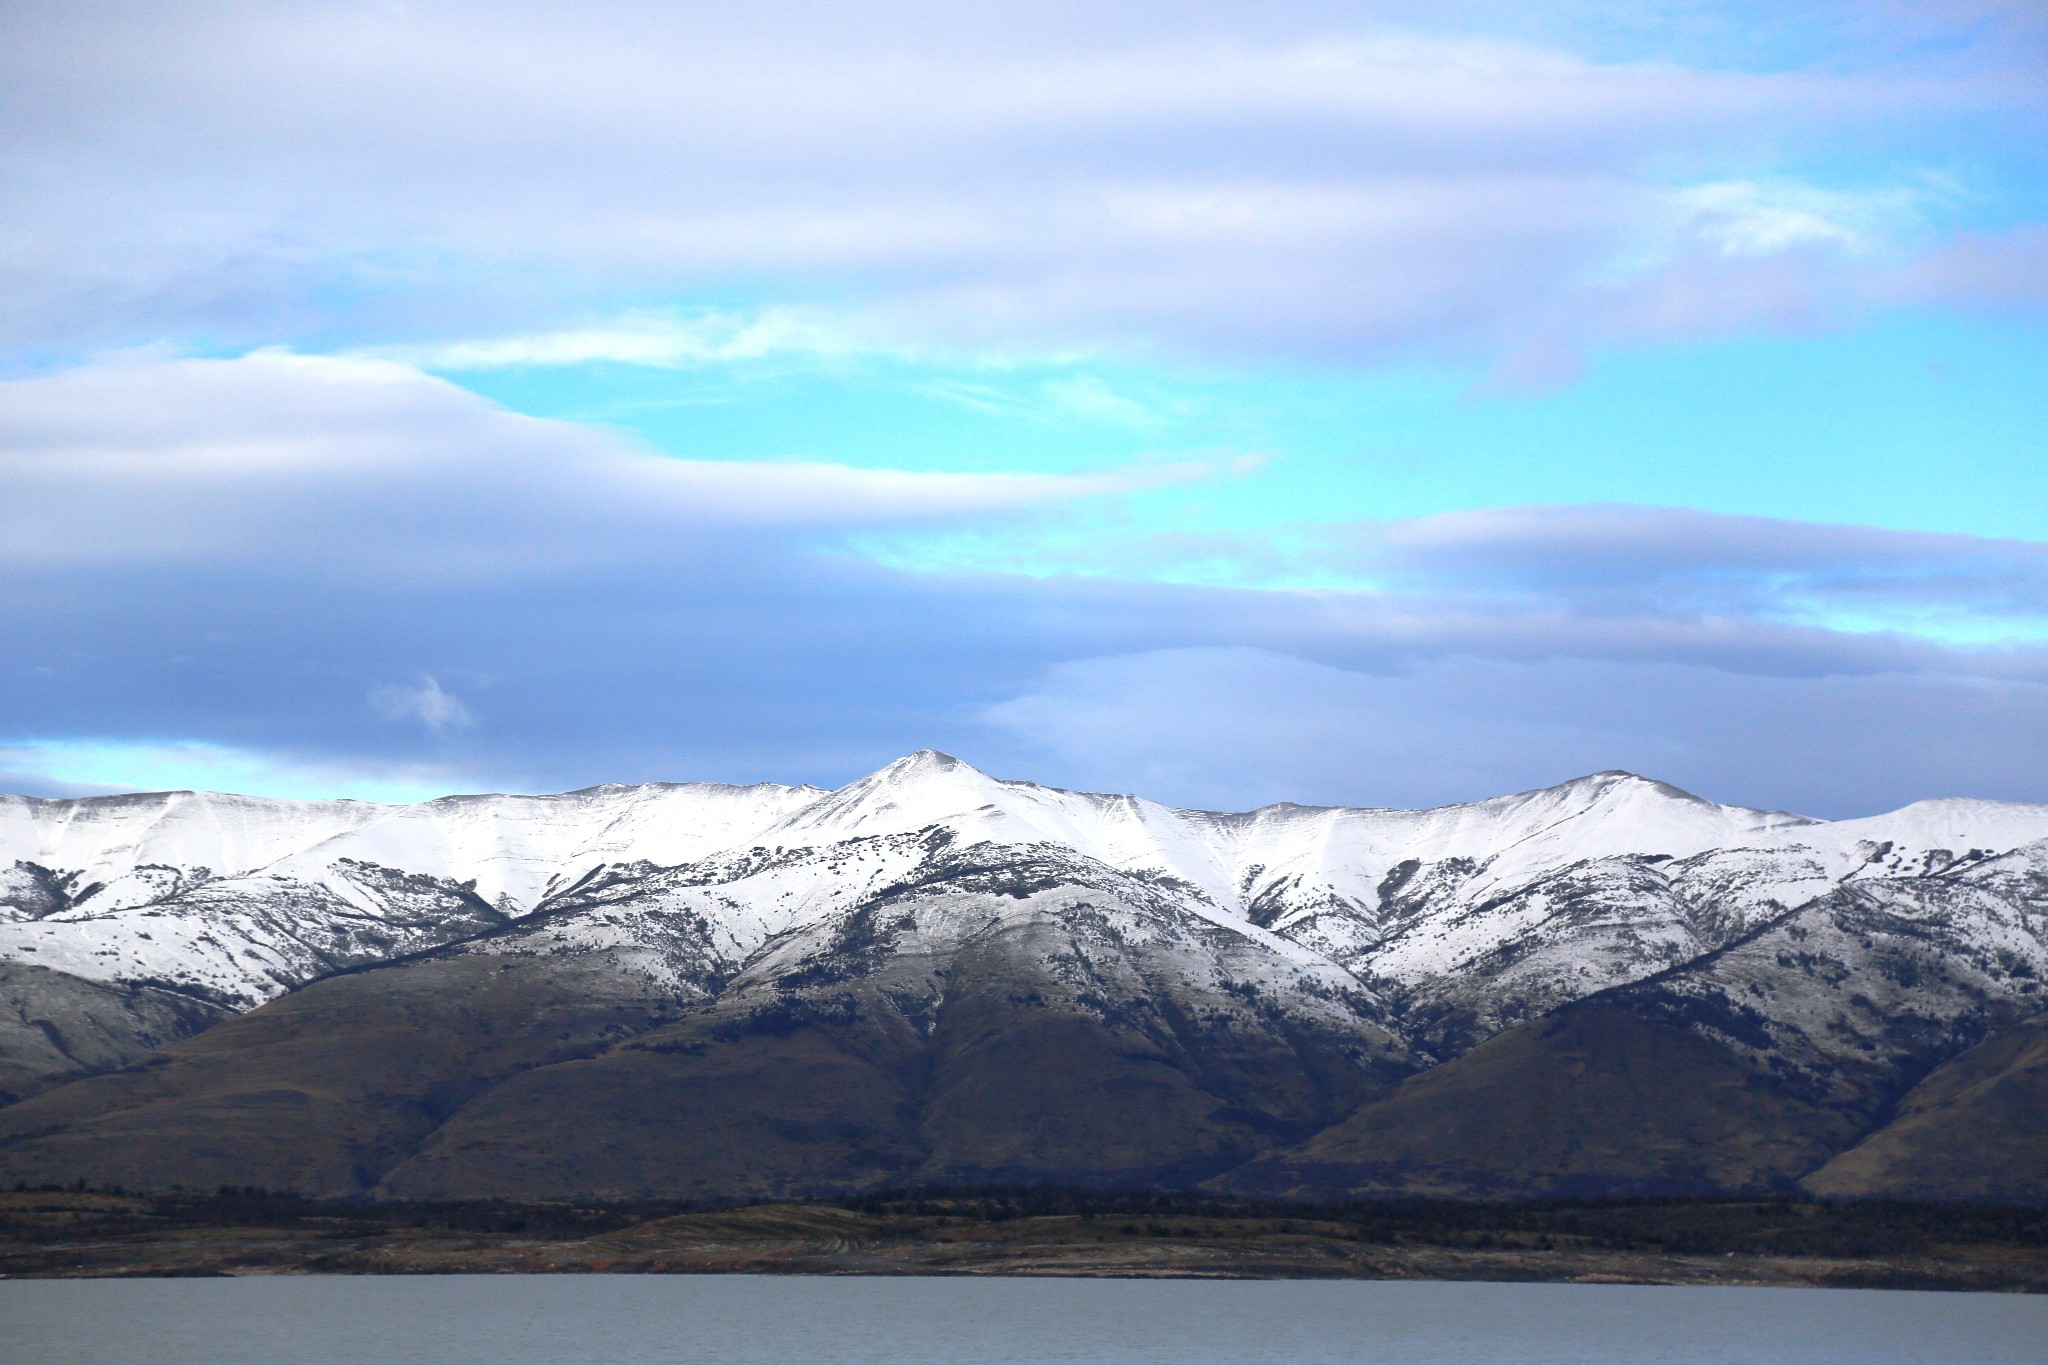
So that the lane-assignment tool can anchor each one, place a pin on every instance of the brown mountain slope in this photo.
(321, 1090)
(1975, 1128)
(794, 1100)
(1591, 1100)
(1027, 1029)
(55, 1027)
(954, 1037)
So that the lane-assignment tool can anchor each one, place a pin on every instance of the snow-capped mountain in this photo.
(1359, 944)
(1559, 891)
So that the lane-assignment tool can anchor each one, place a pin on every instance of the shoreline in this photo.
(103, 1235)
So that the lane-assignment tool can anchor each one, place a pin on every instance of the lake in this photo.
(740, 1319)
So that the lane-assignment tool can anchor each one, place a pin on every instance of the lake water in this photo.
(737, 1320)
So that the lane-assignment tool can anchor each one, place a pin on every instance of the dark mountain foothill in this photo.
(1595, 1099)
(55, 1027)
(932, 978)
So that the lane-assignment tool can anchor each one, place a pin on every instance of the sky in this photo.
(1366, 404)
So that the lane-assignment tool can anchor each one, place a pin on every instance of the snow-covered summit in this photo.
(1583, 884)
(514, 848)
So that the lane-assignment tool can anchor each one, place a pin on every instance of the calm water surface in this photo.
(736, 1320)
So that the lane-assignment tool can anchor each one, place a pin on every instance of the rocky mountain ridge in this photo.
(932, 974)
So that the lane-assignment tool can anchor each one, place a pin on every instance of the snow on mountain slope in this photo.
(129, 850)
(689, 926)
(1464, 918)
(516, 849)
(1288, 852)
(334, 884)
(1881, 977)
(240, 941)
(511, 846)
(930, 789)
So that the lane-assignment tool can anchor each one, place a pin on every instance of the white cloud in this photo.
(425, 702)
(1088, 397)
(710, 337)
(1762, 218)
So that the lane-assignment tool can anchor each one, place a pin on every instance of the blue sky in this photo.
(1368, 404)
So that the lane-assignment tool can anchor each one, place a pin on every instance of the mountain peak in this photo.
(927, 760)
(1621, 779)
(919, 789)
(923, 766)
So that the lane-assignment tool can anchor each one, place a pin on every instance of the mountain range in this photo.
(932, 976)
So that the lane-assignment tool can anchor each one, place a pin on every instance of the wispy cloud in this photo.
(424, 702)
(1577, 571)
(1682, 564)
(1751, 218)
(1089, 397)
(709, 337)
